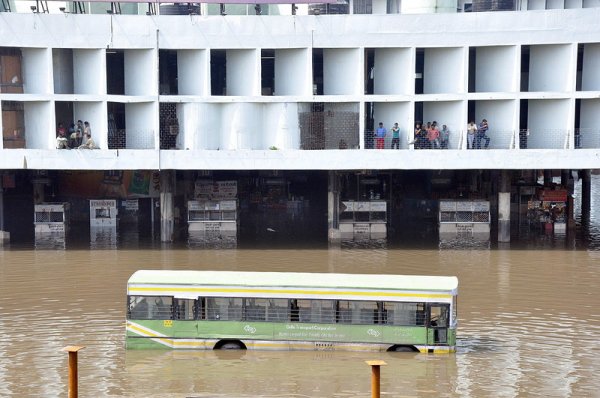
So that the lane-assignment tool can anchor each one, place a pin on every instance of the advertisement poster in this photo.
(113, 184)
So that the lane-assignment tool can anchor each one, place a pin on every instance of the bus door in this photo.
(438, 319)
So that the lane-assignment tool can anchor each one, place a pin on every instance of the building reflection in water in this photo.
(212, 240)
(50, 241)
(103, 237)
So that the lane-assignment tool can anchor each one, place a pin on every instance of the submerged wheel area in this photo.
(402, 348)
(230, 345)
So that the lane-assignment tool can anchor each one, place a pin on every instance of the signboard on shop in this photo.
(208, 189)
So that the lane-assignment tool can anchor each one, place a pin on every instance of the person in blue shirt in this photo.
(380, 136)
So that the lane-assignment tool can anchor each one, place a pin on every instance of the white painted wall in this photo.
(395, 112)
(241, 126)
(62, 70)
(280, 126)
(591, 66)
(428, 6)
(209, 126)
(495, 69)
(501, 117)
(590, 123)
(449, 113)
(394, 71)
(140, 124)
(342, 71)
(89, 71)
(548, 67)
(293, 72)
(591, 3)
(573, 4)
(379, 7)
(141, 72)
(193, 75)
(95, 114)
(548, 123)
(243, 72)
(555, 4)
(536, 4)
(444, 70)
(37, 70)
(39, 125)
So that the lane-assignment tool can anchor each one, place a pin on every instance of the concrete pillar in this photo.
(167, 214)
(547, 178)
(586, 196)
(333, 208)
(38, 191)
(564, 178)
(4, 235)
(504, 207)
(567, 183)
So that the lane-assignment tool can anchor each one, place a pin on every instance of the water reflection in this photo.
(50, 240)
(212, 240)
(103, 238)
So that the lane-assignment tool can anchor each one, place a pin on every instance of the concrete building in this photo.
(275, 93)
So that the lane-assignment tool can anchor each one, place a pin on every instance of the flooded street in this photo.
(529, 324)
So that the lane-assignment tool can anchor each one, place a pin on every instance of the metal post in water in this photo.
(72, 350)
(375, 377)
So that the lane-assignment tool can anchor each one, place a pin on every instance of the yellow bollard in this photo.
(72, 350)
(375, 377)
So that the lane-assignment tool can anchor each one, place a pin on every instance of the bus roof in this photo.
(447, 284)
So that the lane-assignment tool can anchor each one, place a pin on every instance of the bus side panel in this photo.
(451, 337)
(235, 330)
(143, 343)
(404, 335)
(170, 328)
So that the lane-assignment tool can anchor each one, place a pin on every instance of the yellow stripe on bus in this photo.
(271, 291)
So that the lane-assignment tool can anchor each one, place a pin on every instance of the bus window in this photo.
(150, 307)
(255, 309)
(404, 314)
(224, 309)
(439, 315)
(317, 311)
(278, 310)
(185, 309)
(357, 312)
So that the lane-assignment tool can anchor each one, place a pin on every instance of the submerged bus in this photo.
(290, 311)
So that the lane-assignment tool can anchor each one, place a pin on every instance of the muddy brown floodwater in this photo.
(529, 325)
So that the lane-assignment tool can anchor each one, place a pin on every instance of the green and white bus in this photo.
(291, 311)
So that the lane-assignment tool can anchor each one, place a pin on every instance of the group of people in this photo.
(430, 136)
(476, 134)
(380, 134)
(78, 136)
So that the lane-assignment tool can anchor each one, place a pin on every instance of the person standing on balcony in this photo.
(61, 137)
(471, 132)
(433, 135)
(445, 136)
(483, 128)
(87, 130)
(396, 136)
(79, 132)
(380, 136)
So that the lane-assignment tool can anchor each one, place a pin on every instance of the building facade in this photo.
(302, 92)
